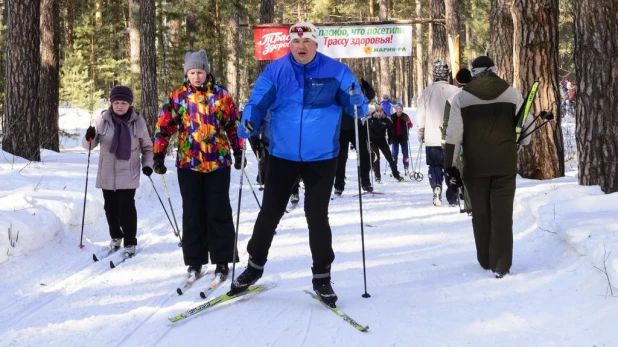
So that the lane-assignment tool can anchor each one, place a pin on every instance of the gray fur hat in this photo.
(196, 60)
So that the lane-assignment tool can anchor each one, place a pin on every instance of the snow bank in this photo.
(585, 218)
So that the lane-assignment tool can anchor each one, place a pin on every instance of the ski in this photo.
(189, 282)
(340, 313)
(522, 115)
(216, 282)
(124, 257)
(220, 300)
(373, 193)
(104, 255)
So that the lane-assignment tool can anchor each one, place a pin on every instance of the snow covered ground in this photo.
(425, 284)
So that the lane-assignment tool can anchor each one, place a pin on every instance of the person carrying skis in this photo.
(429, 119)
(379, 123)
(462, 78)
(347, 137)
(305, 91)
(482, 118)
(398, 135)
(205, 117)
(125, 146)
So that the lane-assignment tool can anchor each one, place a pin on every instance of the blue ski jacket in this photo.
(305, 103)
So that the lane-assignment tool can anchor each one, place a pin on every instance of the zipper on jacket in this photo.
(302, 111)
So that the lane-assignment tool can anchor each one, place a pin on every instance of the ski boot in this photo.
(338, 192)
(500, 274)
(368, 188)
(129, 250)
(325, 292)
(194, 270)
(115, 244)
(294, 199)
(378, 181)
(437, 196)
(247, 278)
(222, 269)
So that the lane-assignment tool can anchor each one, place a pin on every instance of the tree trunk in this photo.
(267, 15)
(385, 74)
(70, 19)
(49, 85)
(420, 72)
(134, 39)
(501, 35)
(148, 62)
(536, 59)
(21, 126)
(452, 31)
(439, 46)
(233, 44)
(596, 48)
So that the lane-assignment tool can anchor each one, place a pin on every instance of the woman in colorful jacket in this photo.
(206, 119)
(125, 149)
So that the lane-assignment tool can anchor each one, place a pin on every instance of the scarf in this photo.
(121, 143)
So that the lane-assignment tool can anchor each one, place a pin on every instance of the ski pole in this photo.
(252, 190)
(369, 153)
(165, 210)
(242, 167)
(81, 238)
(169, 200)
(360, 197)
(547, 116)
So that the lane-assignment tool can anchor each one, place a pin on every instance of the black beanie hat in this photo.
(463, 76)
(121, 93)
(482, 61)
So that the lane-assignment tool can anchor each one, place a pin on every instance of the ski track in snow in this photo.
(426, 286)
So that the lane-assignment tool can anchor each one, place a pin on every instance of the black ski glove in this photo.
(159, 164)
(453, 177)
(90, 133)
(238, 160)
(147, 170)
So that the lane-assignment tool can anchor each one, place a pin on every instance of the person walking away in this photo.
(398, 133)
(305, 91)
(205, 117)
(379, 123)
(462, 78)
(429, 120)
(125, 147)
(482, 117)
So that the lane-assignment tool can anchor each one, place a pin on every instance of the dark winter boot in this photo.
(252, 274)
(222, 269)
(115, 243)
(194, 270)
(500, 274)
(322, 286)
(368, 188)
(338, 192)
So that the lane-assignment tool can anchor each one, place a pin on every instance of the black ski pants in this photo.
(492, 220)
(280, 178)
(345, 138)
(121, 214)
(377, 145)
(207, 222)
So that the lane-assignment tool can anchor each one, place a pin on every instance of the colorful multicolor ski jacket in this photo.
(205, 118)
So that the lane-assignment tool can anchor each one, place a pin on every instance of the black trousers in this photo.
(377, 145)
(492, 220)
(345, 138)
(121, 214)
(207, 222)
(280, 178)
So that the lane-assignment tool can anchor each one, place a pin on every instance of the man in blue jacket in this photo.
(305, 92)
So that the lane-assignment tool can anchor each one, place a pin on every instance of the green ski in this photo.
(220, 300)
(340, 313)
(522, 115)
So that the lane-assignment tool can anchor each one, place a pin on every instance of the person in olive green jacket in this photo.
(482, 119)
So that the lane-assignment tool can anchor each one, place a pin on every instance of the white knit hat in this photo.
(304, 30)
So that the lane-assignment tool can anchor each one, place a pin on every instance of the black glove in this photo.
(453, 177)
(159, 164)
(248, 127)
(147, 170)
(90, 133)
(238, 160)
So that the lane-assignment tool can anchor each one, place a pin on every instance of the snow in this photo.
(426, 286)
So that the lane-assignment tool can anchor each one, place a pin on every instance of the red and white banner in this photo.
(271, 43)
(362, 41)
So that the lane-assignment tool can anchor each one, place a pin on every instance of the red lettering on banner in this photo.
(271, 43)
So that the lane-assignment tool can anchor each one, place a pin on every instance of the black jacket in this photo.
(379, 126)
